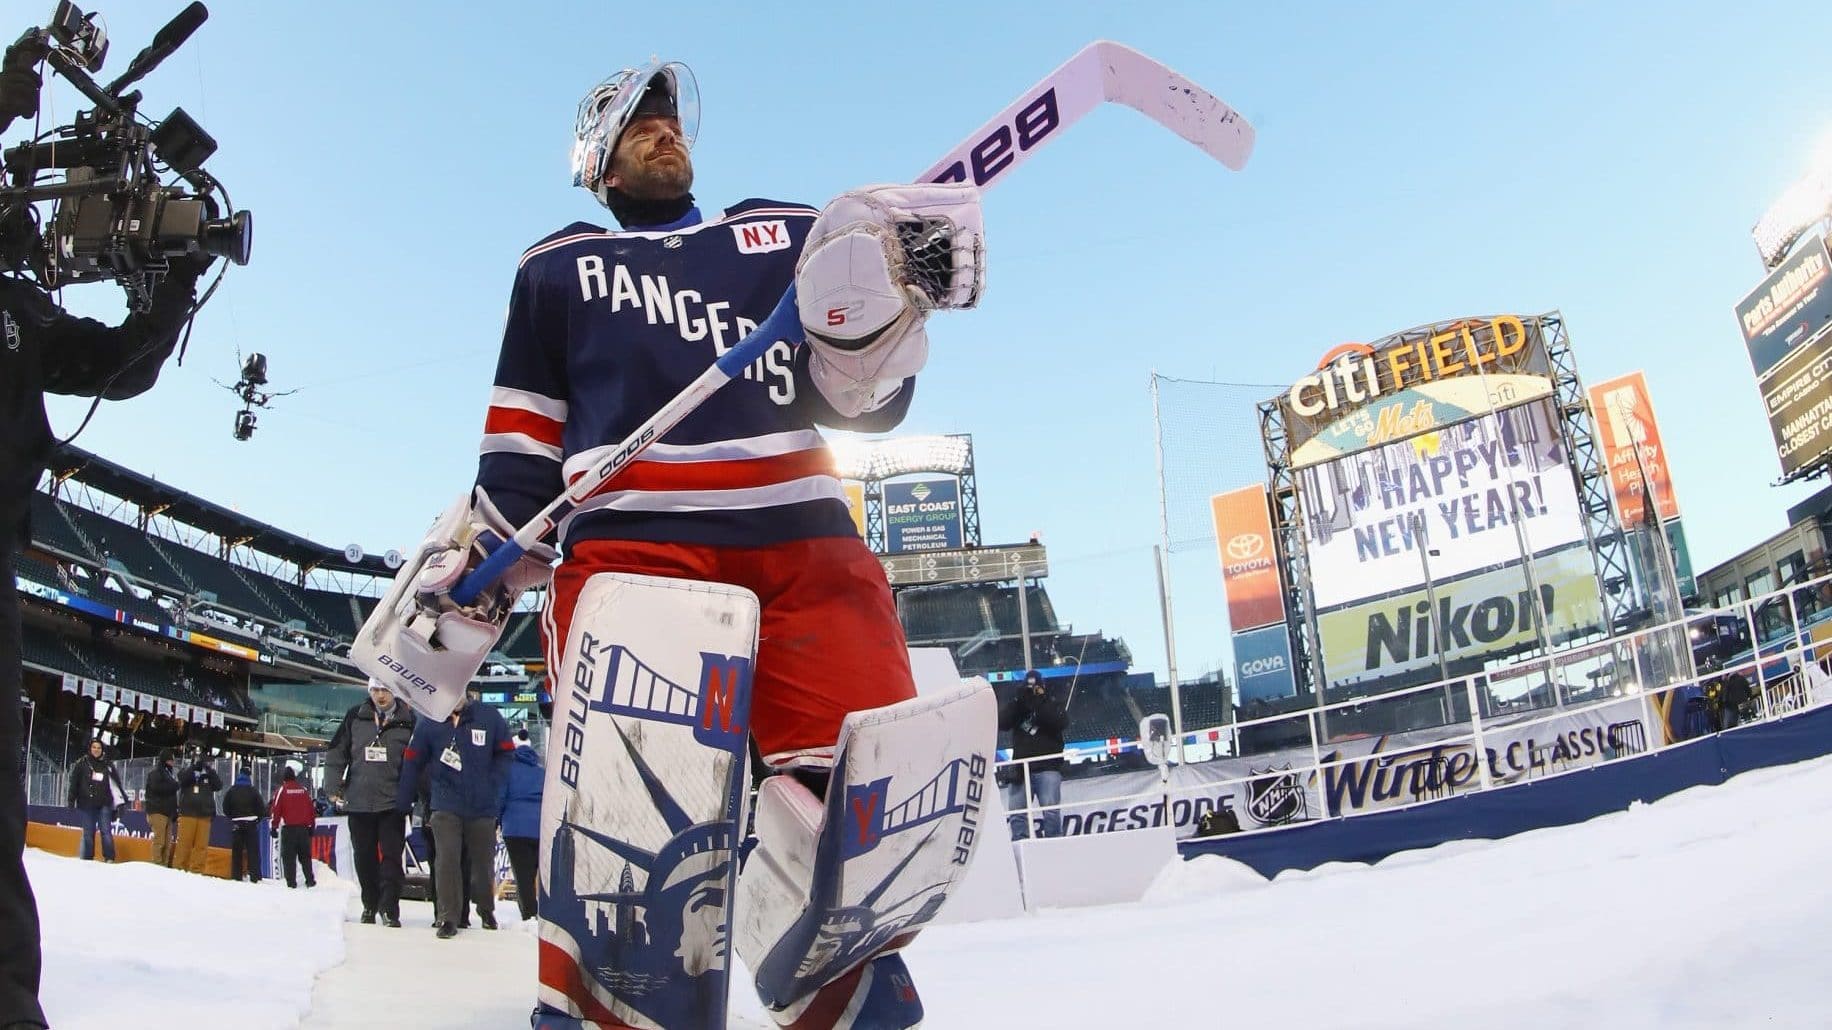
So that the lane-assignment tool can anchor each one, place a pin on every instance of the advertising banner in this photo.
(1797, 395)
(1479, 616)
(1262, 664)
(1442, 505)
(1422, 409)
(1499, 354)
(1369, 774)
(1789, 309)
(855, 504)
(1624, 416)
(1249, 567)
(923, 515)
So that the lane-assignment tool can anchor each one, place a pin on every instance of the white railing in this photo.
(1642, 696)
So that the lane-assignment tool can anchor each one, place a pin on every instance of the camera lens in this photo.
(231, 237)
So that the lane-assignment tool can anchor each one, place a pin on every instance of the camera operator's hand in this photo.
(188, 267)
(19, 80)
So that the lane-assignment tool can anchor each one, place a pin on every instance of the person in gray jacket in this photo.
(363, 774)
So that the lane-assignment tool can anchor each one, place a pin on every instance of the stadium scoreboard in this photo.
(968, 565)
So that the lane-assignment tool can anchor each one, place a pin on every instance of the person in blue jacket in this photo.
(521, 820)
(467, 756)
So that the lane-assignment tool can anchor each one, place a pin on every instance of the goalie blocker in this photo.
(418, 641)
(645, 805)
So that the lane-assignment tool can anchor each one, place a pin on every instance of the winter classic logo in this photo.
(762, 237)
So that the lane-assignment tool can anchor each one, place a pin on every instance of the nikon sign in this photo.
(1477, 617)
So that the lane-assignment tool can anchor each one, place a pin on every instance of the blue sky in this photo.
(1415, 163)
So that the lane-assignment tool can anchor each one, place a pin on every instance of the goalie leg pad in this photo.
(644, 802)
(836, 886)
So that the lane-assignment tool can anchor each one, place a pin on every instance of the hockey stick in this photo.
(1102, 72)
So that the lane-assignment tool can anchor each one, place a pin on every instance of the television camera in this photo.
(115, 214)
(248, 388)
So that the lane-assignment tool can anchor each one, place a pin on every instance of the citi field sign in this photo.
(1412, 368)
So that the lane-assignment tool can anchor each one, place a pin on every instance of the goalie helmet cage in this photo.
(1608, 546)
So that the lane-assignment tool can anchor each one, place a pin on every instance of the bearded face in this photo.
(651, 161)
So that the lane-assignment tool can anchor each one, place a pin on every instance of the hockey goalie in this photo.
(714, 594)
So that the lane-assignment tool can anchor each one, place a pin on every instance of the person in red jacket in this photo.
(294, 816)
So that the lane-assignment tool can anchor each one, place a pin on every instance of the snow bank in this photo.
(133, 943)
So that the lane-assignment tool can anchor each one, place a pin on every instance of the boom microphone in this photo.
(165, 41)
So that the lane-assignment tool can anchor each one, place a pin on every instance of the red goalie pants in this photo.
(829, 642)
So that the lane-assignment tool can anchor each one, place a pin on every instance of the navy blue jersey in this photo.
(605, 327)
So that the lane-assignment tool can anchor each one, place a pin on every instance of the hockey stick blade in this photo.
(1101, 72)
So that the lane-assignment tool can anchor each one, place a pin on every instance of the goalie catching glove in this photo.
(877, 261)
(422, 644)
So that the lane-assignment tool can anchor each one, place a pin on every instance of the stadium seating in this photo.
(36, 570)
(1003, 602)
(333, 611)
(52, 529)
(941, 614)
(122, 547)
(42, 648)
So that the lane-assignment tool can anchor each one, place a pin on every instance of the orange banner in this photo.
(1249, 565)
(1624, 415)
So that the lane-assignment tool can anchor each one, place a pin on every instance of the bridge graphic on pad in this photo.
(717, 707)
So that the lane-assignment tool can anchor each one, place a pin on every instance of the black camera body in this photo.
(121, 208)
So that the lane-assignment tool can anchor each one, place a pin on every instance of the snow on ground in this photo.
(479, 980)
(134, 944)
(1710, 908)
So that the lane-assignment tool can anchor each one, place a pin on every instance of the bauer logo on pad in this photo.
(762, 237)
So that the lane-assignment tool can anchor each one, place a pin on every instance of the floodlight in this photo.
(1801, 206)
(884, 459)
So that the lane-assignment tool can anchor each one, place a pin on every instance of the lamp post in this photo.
(1422, 540)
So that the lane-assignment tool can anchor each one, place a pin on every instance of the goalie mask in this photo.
(665, 88)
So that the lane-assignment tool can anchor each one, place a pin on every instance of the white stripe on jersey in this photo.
(794, 491)
(768, 446)
(525, 400)
(518, 443)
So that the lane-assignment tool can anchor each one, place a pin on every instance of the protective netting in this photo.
(1210, 435)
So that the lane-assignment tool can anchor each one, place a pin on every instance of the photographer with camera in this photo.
(46, 350)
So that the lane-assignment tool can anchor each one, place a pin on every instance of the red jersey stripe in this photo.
(665, 476)
(529, 424)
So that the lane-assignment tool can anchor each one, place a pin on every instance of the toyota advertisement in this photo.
(1249, 563)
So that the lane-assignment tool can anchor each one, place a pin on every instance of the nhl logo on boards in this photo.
(1274, 797)
(762, 237)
